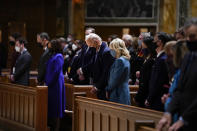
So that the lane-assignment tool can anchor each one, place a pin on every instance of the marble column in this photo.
(167, 19)
(193, 8)
(78, 18)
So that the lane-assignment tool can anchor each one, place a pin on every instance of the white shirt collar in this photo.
(23, 50)
(160, 53)
(45, 48)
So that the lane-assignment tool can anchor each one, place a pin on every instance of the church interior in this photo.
(98, 65)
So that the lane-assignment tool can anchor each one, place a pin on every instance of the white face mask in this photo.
(74, 47)
(69, 39)
(17, 49)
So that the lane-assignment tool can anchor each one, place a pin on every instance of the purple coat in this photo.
(54, 79)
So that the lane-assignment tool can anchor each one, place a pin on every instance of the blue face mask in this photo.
(113, 53)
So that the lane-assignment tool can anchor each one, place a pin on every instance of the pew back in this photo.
(23, 108)
(92, 114)
(70, 89)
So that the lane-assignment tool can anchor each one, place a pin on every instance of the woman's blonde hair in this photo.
(179, 51)
(119, 47)
(168, 47)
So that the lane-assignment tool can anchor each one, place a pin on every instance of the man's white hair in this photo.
(127, 37)
(93, 37)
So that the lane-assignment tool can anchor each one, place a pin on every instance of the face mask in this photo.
(40, 45)
(155, 46)
(192, 45)
(17, 49)
(139, 42)
(113, 53)
(145, 51)
(68, 39)
(74, 47)
(12, 43)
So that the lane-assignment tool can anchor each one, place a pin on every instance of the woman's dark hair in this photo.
(22, 41)
(55, 46)
(148, 41)
(164, 37)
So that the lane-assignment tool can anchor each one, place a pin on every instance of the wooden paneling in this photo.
(112, 116)
(23, 108)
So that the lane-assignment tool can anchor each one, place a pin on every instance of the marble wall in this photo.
(193, 5)
(172, 15)
(78, 18)
(167, 18)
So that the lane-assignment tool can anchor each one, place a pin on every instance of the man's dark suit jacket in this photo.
(100, 68)
(87, 58)
(184, 100)
(22, 68)
(42, 66)
(82, 59)
(158, 82)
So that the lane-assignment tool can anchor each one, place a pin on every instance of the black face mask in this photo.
(40, 45)
(12, 43)
(155, 46)
(145, 51)
(192, 45)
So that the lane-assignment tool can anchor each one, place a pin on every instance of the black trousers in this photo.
(101, 94)
(54, 124)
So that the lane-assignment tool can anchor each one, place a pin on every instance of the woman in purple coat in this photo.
(54, 79)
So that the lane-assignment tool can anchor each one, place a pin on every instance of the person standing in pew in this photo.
(184, 99)
(178, 52)
(86, 58)
(54, 79)
(76, 64)
(149, 53)
(99, 65)
(12, 41)
(159, 80)
(117, 89)
(23, 63)
(43, 41)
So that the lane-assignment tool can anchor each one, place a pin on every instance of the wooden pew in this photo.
(70, 89)
(92, 114)
(23, 108)
(145, 128)
(32, 82)
(4, 79)
(33, 73)
(145, 125)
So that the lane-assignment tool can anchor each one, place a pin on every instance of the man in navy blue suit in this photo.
(159, 77)
(99, 66)
(82, 60)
